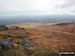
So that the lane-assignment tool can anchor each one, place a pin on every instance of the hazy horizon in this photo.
(21, 19)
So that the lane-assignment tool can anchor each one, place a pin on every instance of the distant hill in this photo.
(20, 19)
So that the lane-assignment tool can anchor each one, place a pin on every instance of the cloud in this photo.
(28, 6)
(67, 4)
(23, 7)
(20, 5)
(73, 11)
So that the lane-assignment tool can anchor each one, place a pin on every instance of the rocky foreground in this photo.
(44, 40)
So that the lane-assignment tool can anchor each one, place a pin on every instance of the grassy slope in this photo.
(46, 41)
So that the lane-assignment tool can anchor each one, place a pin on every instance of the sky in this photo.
(37, 7)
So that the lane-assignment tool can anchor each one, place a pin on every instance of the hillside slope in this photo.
(46, 38)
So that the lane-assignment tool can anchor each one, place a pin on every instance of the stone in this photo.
(3, 28)
(8, 31)
(28, 51)
(25, 42)
(6, 44)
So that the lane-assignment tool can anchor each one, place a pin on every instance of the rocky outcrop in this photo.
(3, 27)
(6, 44)
(25, 42)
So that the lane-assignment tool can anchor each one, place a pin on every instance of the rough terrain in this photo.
(39, 39)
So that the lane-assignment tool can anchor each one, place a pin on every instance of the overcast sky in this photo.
(37, 7)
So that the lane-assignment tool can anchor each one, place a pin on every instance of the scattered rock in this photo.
(28, 51)
(3, 27)
(25, 42)
(6, 44)
(8, 31)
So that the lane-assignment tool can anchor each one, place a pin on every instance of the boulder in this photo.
(25, 42)
(3, 27)
(28, 51)
(6, 44)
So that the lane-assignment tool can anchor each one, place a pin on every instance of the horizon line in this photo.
(41, 15)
